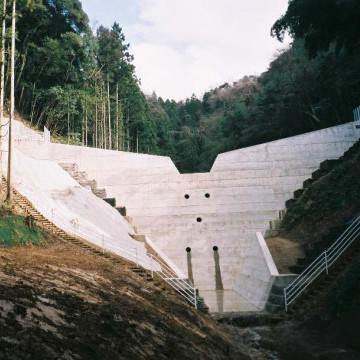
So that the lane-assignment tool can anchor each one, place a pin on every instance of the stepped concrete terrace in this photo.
(220, 217)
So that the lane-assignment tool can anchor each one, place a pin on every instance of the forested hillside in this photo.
(313, 84)
(82, 85)
(79, 84)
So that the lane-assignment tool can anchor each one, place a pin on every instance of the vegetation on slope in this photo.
(61, 302)
(16, 230)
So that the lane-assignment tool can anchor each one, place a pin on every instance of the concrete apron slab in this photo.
(223, 301)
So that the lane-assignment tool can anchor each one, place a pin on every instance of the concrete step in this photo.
(111, 201)
(276, 299)
(274, 308)
(275, 224)
(69, 166)
(100, 193)
(307, 183)
(318, 174)
(290, 203)
(277, 290)
(139, 237)
(121, 210)
(328, 164)
(298, 193)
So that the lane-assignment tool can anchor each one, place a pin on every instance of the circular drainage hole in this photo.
(207, 195)
(187, 196)
(199, 219)
(188, 249)
(215, 248)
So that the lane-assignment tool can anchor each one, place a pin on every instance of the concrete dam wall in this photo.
(211, 225)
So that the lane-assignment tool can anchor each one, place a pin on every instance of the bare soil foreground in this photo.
(61, 302)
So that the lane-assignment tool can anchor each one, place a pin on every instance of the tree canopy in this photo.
(83, 86)
(321, 23)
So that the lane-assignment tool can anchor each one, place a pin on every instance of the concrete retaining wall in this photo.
(257, 272)
(243, 192)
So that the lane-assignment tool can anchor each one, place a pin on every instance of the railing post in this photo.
(103, 243)
(326, 263)
(52, 215)
(285, 300)
(136, 257)
(195, 298)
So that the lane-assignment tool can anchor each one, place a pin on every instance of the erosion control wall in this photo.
(221, 210)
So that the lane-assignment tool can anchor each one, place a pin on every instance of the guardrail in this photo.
(357, 114)
(138, 255)
(322, 263)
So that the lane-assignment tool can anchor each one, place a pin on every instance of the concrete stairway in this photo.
(325, 167)
(319, 289)
(275, 301)
(347, 250)
(82, 178)
(313, 250)
(316, 290)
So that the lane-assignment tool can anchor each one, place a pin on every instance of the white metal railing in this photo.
(357, 114)
(151, 262)
(322, 263)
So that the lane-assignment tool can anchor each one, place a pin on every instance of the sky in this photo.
(183, 47)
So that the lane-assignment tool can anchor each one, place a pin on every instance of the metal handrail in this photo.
(322, 263)
(356, 113)
(143, 259)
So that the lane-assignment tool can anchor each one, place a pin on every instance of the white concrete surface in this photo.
(247, 189)
(224, 301)
(257, 272)
(73, 208)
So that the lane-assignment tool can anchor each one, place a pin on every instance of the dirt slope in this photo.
(61, 302)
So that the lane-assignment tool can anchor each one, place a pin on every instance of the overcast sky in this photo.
(190, 46)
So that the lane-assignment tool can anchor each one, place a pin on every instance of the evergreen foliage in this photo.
(82, 85)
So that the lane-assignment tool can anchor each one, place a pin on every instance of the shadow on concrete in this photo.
(220, 301)
(218, 279)
(189, 266)
(218, 282)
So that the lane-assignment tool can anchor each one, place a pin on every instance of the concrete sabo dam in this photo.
(209, 225)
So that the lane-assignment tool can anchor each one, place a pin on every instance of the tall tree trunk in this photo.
(104, 120)
(23, 58)
(2, 89)
(137, 140)
(96, 121)
(101, 119)
(86, 122)
(68, 120)
(12, 103)
(128, 129)
(83, 125)
(117, 117)
(109, 112)
(33, 103)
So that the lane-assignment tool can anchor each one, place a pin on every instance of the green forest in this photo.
(82, 85)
